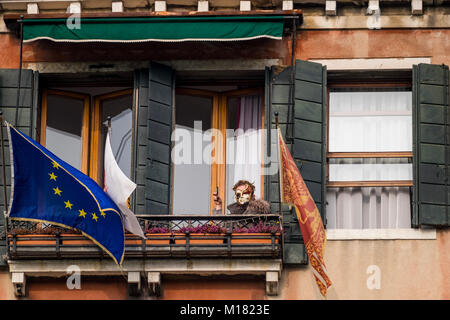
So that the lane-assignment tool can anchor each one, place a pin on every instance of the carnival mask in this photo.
(243, 196)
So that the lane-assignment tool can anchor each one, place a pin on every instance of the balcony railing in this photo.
(181, 236)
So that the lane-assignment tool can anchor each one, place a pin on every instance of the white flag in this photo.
(119, 188)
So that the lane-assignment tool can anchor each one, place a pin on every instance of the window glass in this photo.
(191, 155)
(120, 111)
(370, 121)
(370, 169)
(64, 125)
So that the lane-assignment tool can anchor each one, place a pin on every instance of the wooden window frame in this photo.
(84, 126)
(96, 148)
(91, 151)
(340, 155)
(219, 122)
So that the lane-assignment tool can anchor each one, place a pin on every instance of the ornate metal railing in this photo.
(167, 236)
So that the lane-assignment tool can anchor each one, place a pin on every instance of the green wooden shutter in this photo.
(141, 84)
(309, 149)
(156, 107)
(26, 119)
(431, 162)
(307, 144)
(279, 85)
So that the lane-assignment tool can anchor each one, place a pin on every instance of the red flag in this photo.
(295, 192)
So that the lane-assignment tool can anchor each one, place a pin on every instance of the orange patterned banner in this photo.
(295, 192)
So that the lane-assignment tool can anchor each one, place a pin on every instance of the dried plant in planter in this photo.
(209, 228)
(46, 230)
(157, 230)
(258, 228)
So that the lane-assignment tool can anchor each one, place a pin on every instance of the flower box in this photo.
(79, 239)
(157, 238)
(152, 238)
(33, 239)
(257, 238)
(200, 238)
(75, 239)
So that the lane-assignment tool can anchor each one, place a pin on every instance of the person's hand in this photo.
(217, 201)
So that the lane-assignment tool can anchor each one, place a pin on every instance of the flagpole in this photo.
(279, 165)
(5, 191)
(108, 119)
(279, 185)
(16, 118)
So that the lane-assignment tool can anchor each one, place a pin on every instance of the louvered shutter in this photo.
(431, 150)
(25, 123)
(155, 116)
(304, 133)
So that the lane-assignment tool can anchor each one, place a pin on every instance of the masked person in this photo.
(244, 194)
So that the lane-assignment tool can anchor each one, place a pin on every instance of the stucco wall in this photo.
(114, 288)
(92, 288)
(409, 269)
(6, 287)
(10, 49)
(310, 44)
(392, 43)
(209, 288)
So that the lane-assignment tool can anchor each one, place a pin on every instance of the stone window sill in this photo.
(381, 234)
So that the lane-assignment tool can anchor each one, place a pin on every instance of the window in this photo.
(369, 156)
(73, 126)
(217, 142)
(64, 129)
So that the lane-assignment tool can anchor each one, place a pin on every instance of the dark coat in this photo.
(253, 207)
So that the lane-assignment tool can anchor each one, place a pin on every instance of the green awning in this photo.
(161, 29)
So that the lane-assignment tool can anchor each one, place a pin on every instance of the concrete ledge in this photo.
(151, 269)
(371, 63)
(381, 234)
(83, 67)
(179, 65)
(97, 267)
(385, 21)
(222, 64)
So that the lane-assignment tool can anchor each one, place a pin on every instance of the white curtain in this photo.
(244, 148)
(369, 122)
(368, 208)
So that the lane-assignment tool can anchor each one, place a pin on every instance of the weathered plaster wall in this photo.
(6, 288)
(9, 51)
(115, 288)
(310, 44)
(347, 44)
(91, 289)
(47, 51)
(210, 289)
(410, 269)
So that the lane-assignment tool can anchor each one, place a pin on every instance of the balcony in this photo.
(188, 244)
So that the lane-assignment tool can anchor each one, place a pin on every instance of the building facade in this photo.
(361, 94)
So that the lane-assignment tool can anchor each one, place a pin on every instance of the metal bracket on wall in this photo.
(134, 283)
(154, 284)
(271, 283)
(19, 280)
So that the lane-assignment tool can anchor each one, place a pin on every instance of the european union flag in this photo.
(47, 189)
